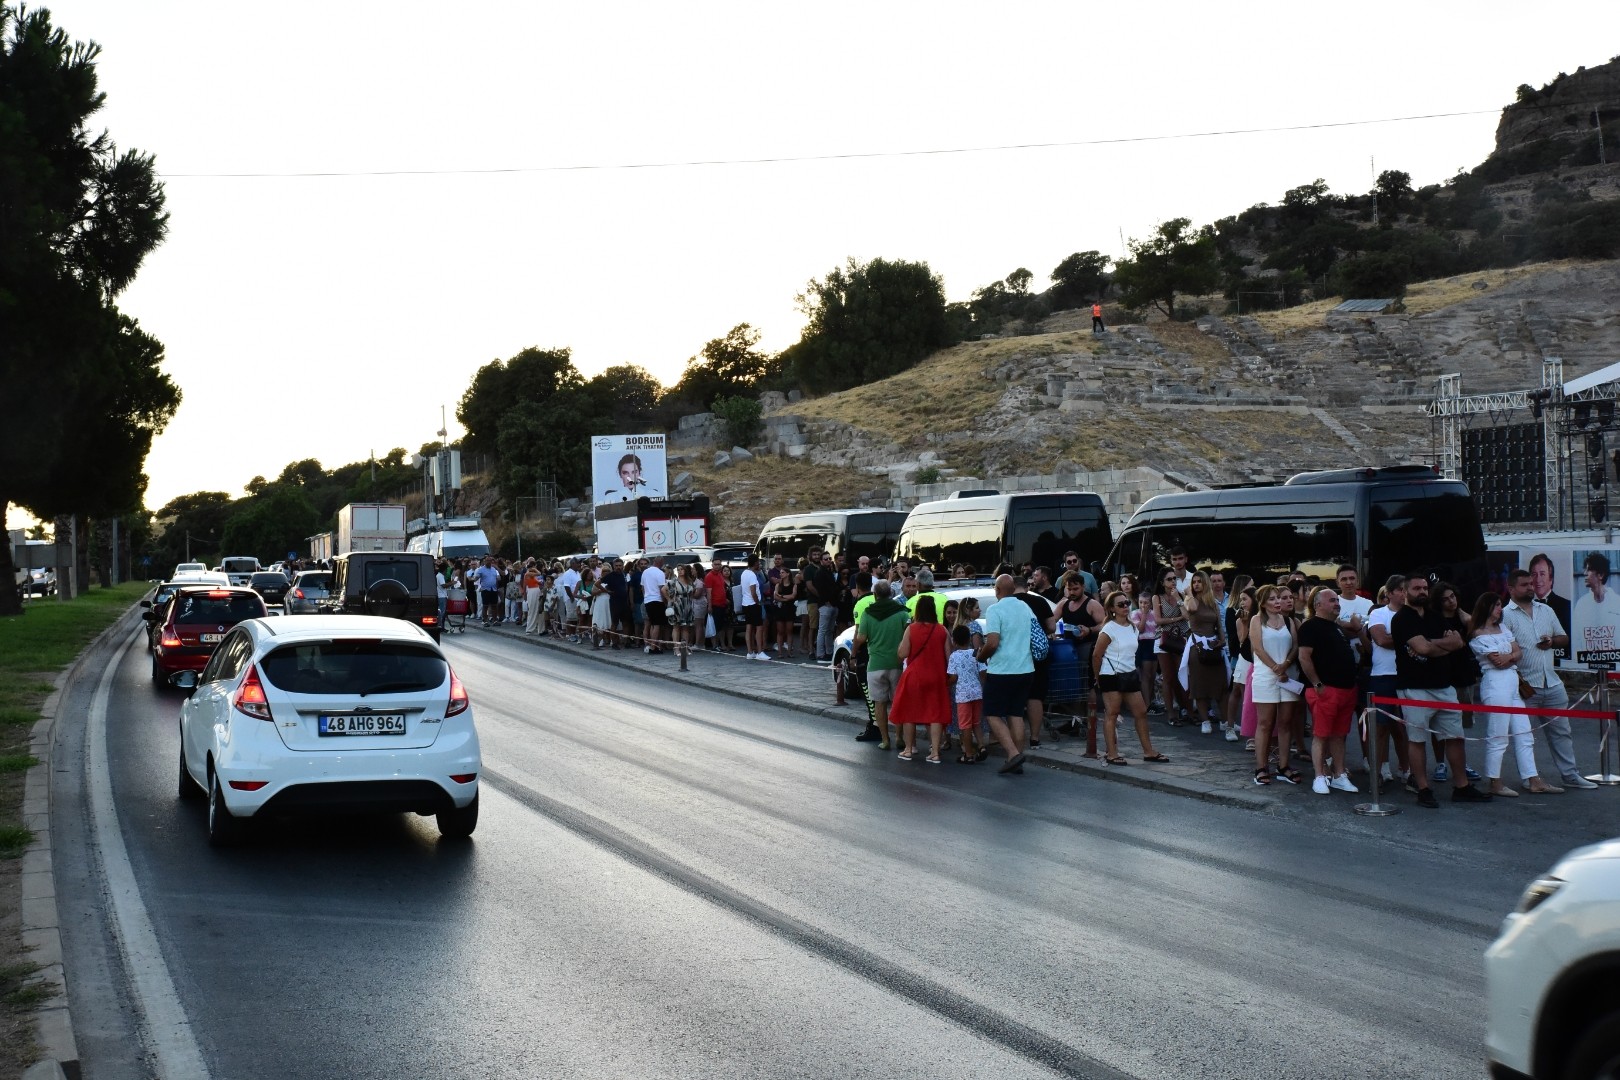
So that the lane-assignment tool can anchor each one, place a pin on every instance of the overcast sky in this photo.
(371, 200)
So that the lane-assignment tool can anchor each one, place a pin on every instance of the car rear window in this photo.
(218, 609)
(408, 572)
(269, 579)
(315, 581)
(354, 667)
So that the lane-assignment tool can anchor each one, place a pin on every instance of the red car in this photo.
(196, 620)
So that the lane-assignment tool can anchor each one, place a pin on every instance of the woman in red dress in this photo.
(923, 696)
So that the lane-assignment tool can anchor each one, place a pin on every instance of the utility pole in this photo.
(1597, 118)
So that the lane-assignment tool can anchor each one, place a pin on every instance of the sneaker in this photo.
(1231, 733)
(1206, 728)
(1342, 783)
(1426, 798)
(1411, 785)
(1385, 775)
(763, 656)
(1249, 745)
(1469, 793)
(1442, 773)
(1320, 785)
(1579, 782)
(1471, 774)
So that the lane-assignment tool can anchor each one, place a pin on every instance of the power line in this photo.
(874, 154)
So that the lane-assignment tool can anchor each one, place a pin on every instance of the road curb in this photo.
(41, 925)
(854, 714)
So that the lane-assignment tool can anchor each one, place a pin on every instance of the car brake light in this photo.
(463, 777)
(299, 593)
(429, 620)
(249, 697)
(458, 697)
(219, 593)
(248, 785)
(170, 640)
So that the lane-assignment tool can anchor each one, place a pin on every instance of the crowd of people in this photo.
(1284, 667)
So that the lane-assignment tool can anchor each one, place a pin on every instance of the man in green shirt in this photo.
(880, 629)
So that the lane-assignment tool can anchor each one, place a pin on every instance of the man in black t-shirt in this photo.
(1422, 673)
(1329, 665)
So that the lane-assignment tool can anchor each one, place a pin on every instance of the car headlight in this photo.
(1537, 893)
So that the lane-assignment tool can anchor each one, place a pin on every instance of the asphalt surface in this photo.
(672, 882)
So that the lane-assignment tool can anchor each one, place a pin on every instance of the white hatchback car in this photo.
(1553, 976)
(326, 714)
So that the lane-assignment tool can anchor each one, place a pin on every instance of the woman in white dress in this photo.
(1498, 656)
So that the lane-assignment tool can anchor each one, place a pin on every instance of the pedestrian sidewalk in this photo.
(1201, 766)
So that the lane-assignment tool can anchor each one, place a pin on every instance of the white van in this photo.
(239, 568)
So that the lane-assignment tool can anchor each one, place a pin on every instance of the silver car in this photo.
(307, 588)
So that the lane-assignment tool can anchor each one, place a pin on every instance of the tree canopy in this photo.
(77, 219)
(867, 322)
(1176, 259)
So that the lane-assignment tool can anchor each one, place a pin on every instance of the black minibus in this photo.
(983, 531)
(1401, 519)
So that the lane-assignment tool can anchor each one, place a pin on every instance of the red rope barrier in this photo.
(1423, 703)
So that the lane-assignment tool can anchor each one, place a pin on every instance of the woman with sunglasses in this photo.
(1113, 666)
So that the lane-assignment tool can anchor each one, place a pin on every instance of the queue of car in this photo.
(352, 707)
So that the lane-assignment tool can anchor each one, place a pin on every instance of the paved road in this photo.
(669, 882)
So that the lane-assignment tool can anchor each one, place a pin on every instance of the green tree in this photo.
(272, 523)
(626, 395)
(192, 522)
(533, 375)
(1078, 279)
(546, 439)
(867, 322)
(1176, 259)
(725, 366)
(1018, 281)
(1393, 190)
(77, 218)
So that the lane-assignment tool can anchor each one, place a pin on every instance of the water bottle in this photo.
(1062, 629)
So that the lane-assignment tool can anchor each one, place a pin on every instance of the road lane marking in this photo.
(160, 1014)
(927, 993)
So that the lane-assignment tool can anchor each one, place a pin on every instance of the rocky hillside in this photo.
(1223, 400)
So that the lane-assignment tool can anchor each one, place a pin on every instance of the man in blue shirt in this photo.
(1011, 669)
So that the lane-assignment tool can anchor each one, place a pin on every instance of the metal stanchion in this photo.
(1605, 775)
(681, 649)
(838, 682)
(1369, 720)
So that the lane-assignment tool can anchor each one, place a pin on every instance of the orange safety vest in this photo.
(1096, 311)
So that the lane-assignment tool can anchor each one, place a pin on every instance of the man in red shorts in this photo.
(1329, 665)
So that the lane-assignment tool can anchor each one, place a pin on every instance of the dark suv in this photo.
(393, 584)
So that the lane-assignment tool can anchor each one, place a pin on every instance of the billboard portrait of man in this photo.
(1542, 579)
(626, 467)
(1595, 633)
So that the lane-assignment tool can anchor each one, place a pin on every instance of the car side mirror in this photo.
(184, 680)
(146, 604)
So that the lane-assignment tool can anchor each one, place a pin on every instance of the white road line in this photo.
(168, 1031)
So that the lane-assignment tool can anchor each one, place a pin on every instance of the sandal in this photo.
(1116, 761)
(963, 759)
(1157, 759)
(932, 759)
(982, 755)
(1290, 776)
(1262, 777)
(906, 755)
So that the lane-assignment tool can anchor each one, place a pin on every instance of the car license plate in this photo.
(363, 724)
(210, 639)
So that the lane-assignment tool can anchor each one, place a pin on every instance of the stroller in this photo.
(456, 608)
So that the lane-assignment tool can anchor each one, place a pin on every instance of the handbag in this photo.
(1174, 638)
(1210, 656)
(1526, 691)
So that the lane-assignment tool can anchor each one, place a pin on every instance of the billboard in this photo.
(1594, 635)
(1550, 575)
(626, 467)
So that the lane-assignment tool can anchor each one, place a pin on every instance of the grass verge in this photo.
(34, 646)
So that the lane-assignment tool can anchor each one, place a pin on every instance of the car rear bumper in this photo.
(417, 779)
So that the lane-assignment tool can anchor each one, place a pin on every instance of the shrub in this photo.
(928, 474)
(741, 417)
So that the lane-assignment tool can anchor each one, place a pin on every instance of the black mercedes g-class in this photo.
(393, 584)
